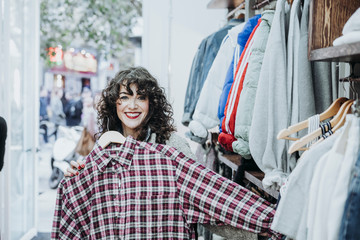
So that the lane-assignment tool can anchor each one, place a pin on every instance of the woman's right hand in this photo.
(75, 167)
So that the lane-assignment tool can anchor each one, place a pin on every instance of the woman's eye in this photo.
(142, 97)
(124, 97)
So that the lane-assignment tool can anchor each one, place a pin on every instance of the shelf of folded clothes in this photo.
(342, 53)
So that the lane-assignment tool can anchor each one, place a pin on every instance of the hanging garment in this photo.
(204, 117)
(192, 83)
(200, 67)
(317, 74)
(293, 204)
(230, 75)
(229, 79)
(328, 190)
(227, 136)
(349, 228)
(271, 105)
(341, 188)
(316, 85)
(293, 86)
(247, 97)
(139, 190)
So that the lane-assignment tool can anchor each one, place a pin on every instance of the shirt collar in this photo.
(122, 153)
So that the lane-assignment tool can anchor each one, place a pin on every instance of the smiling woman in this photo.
(134, 105)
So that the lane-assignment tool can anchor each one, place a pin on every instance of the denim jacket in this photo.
(202, 62)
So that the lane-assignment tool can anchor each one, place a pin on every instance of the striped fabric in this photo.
(141, 190)
(226, 138)
(234, 95)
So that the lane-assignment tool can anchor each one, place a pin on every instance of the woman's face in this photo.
(131, 110)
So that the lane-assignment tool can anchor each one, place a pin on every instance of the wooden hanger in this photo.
(332, 110)
(111, 137)
(339, 122)
(336, 123)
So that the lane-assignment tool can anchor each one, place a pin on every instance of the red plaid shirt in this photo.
(141, 190)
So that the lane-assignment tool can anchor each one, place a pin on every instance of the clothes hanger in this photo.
(331, 111)
(338, 123)
(335, 123)
(110, 137)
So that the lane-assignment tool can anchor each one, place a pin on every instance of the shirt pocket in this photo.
(154, 215)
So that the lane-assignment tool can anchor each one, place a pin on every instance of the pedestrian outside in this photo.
(57, 109)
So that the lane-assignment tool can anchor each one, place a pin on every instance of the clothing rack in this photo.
(350, 79)
(347, 53)
(261, 4)
(235, 10)
(248, 8)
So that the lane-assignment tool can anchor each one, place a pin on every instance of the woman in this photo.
(134, 104)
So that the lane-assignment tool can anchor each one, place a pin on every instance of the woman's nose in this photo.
(133, 103)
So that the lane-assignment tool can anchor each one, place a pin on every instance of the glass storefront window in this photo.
(19, 95)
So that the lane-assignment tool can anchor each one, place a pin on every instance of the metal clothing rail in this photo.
(232, 12)
(261, 4)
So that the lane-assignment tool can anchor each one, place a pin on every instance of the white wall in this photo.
(173, 30)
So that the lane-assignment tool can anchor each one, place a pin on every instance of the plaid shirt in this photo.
(141, 190)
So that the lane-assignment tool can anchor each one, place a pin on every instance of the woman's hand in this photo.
(75, 166)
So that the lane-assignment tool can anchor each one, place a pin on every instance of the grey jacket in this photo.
(271, 105)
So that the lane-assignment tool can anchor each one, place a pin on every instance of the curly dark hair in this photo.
(160, 116)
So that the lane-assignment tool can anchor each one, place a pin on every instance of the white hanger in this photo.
(111, 137)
